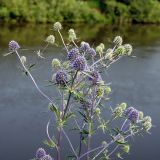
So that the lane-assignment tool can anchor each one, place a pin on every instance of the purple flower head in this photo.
(84, 47)
(47, 157)
(128, 111)
(79, 63)
(40, 153)
(95, 77)
(13, 46)
(92, 52)
(134, 116)
(73, 53)
(61, 77)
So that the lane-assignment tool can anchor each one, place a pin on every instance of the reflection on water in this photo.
(24, 113)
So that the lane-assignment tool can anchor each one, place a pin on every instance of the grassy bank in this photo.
(108, 11)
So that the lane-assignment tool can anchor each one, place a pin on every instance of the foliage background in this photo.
(108, 11)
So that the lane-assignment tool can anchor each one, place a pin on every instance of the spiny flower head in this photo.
(99, 49)
(128, 111)
(128, 49)
(13, 46)
(134, 116)
(23, 59)
(118, 40)
(56, 63)
(79, 63)
(100, 91)
(72, 35)
(92, 52)
(107, 90)
(95, 77)
(61, 77)
(57, 26)
(47, 157)
(40, 153)
(72, 54)
(120, 50)
(147, 125)
(50, 39)
(84, 47)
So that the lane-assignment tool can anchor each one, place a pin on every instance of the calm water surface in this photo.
(24, 113)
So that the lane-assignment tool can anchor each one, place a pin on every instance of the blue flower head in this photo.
(47, 157)
(84, 47)
(61, 77)
(95, 77)
(40, 153)
(92, 52)
(72, 54)
(13, 46)
(79, 63)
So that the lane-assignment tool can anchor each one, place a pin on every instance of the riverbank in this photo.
(108, 12)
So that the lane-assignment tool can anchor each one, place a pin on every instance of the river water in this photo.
(24, 113)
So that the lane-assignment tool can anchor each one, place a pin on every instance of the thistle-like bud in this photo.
(72, 54)
(47, 157)
(13, 46)
(104, 144)
(120, 51)
(128, 49)
(84, 47)
(118, 112)
(23, 59)
(147, 119)
(123, 105)
(147, 126)
(102, 46)
(79, 63)
(92, 52)
(128, 111)
(57, 26)
(109, 54)
(107, 90)
(97, 111)
(134, 116)
(140, 115)
(100, 91)
(126, 148)
(95, 77)
(40, 153)
(56, 63)
(118, 40)
(61, 77)
(99, 49)
(72, 35)
(50, 39)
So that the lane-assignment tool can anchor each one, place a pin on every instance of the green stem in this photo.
(70, 93)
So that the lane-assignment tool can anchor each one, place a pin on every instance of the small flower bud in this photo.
(92, 52)
(104, 144)
(120, 139)
(140, 115)
(126, 148)
(13, 46)
(100, 92)
(50, 39)
(120, 50)
(134, 116)
(72, 35)
(102, 46)
(84, 47)
(95, 77)
(147, 125)
(98, 111)
(147, 119)
(56, 63)
(118, 40)
(23, 59)
(99, 49)
(123, 106)
(109, 54)
(57, 26)
(40, 153)
(128, 49)
(107, 90)
(118, 112)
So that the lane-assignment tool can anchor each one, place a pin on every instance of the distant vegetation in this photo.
(108, 11)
